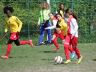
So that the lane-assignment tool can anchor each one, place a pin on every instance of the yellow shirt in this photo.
(13, 24)
(63, 26)
(62, 13)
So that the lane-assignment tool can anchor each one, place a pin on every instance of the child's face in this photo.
(59, 17)
(45, 5)
(62, 6)
(51, 16)
(67, 14)
(8, 13)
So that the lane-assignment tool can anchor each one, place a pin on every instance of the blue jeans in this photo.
(42, 31)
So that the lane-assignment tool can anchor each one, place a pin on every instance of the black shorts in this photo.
(17, 42)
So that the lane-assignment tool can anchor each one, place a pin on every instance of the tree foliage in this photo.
(28, 12)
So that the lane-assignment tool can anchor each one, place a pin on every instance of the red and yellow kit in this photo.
(63, 26)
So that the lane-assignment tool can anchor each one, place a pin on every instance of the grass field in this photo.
(40, 59)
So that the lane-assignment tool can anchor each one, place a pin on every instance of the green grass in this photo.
(40, 59)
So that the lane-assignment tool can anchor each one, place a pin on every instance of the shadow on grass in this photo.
(50, 51)
(94, 59)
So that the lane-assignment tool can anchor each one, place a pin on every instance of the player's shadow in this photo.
(94, 59)
(46, 59)
(49, 52)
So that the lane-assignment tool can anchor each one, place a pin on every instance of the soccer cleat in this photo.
(4, 57)
(67, 61)
(79, 60)
(31, 43)
(72, 55)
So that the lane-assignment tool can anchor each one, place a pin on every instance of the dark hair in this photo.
(71, 13)
(8, 8)
(57, 25)
(60, 5)
(58, 14)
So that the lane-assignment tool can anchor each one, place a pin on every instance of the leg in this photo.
(74, 45)
(54, 40)
(49, 32)
(9, 47)
(66, 49)
(41, 34)
(77, 51)
(49, 35)
(23, 42)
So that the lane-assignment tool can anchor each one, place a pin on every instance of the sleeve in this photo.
(19, 24)
(39, 21)
(75, 26)
(53, 26)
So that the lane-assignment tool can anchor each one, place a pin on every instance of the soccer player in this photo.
(53, 21)
(72, 36)
(44, 22)
(14, 25)
(61, 9)
(60, 31)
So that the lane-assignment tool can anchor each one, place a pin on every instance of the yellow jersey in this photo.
(13, 24)
(62, 13)
(63, 26)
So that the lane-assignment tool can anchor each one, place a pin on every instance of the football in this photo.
(58, 60)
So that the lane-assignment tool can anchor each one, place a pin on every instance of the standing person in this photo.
(72, 36)
(61, 9)
(14, 25)
(44, 22)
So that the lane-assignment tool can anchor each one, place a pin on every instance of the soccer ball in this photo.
(58, 60)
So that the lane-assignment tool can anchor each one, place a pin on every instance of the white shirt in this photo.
(54, 23)
(74, 27)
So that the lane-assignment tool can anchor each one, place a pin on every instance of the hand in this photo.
(46, 28)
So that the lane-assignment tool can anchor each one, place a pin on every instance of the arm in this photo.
(39, 21)
(53, 26)
(41, 17)
(75, 26)
(19, 24)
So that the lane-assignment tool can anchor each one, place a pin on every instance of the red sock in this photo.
(67, 52)
(55, 43)
(9, 47)
(23, 42)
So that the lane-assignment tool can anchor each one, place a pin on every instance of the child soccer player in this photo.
(60, 32)
(44, 22)
(72, 36)
(14, 25)
(53, 21)
(61, 9)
